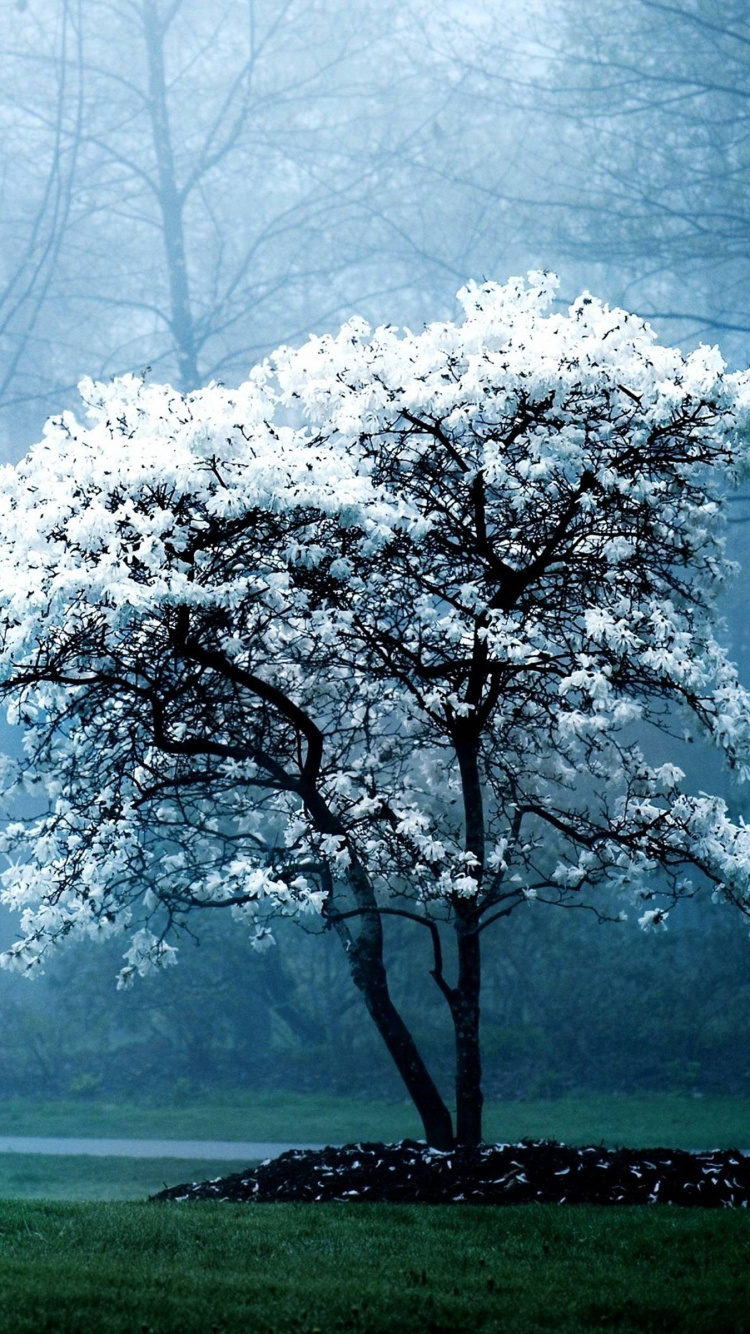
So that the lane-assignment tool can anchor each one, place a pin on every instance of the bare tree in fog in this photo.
(189, 185)
(630, 158)
(41, 136)
(228, 157)
(232, 176)
(185, 186)
(661, 95)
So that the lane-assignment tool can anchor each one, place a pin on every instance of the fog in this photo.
(187, 186)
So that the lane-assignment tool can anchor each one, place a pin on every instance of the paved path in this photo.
(149, 1148)
(218, 1150)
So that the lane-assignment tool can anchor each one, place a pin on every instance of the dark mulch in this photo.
(535, 1171)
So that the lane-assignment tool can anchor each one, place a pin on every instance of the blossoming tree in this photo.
(387, 631)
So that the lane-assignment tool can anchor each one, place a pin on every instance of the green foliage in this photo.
(85, 1085)
(290, 1019)
(113, 1269)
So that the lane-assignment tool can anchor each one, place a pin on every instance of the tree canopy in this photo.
(390, 629)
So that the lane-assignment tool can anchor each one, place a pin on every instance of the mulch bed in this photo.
(534, 1171)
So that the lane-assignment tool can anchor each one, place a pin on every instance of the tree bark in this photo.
(465, 1009)
(465, 996)
(170, 203)
(364, 953)
(369, 975)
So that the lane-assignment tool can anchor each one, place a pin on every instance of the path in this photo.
(221, 1150)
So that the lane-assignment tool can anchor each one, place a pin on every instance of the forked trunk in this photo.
(368, 972)
(364, 952)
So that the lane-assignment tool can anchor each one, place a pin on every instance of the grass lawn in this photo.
(226, 1269)
(664, 1119)
(647, 1122)
(69, 1177)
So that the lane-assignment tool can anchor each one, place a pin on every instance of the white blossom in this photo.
(392, 620)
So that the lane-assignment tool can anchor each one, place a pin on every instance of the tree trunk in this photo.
(170, 204)
(364, 953)
(464, 997)
(369, 975)
(465, 1009)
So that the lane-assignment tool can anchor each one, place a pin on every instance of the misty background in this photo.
(184, 187)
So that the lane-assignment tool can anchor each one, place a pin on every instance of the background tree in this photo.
(233, 177)
(37, 184)
(221, 181)
(228, 145)
(652, 178)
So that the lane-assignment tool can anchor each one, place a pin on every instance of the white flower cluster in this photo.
(391, 619)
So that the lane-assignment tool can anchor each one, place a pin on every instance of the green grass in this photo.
(646, 1122)
(680, 1122)
(125, 1268)
(135, 1268)
(49, 1177)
